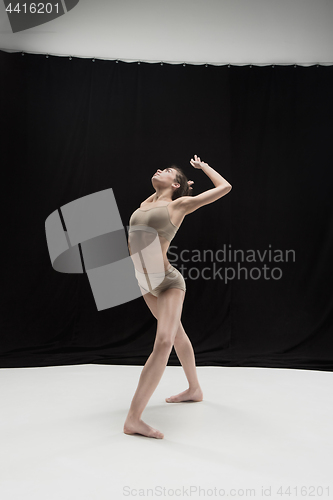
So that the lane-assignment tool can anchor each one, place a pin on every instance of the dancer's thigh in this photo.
(150, 300)
(169, 311)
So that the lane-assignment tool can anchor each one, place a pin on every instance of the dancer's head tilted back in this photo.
(171, 182)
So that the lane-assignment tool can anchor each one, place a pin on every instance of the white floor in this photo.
(257, 429)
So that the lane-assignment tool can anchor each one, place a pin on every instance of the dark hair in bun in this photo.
(180, 178)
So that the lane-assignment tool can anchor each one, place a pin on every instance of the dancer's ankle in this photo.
(134, 416)
(194, 387)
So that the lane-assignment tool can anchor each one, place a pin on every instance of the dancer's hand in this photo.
(197, 163)
(189, 185)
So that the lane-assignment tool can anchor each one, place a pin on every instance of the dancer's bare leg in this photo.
(169, 306)
(185, 353)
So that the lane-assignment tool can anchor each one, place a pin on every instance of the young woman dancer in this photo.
(164, 212)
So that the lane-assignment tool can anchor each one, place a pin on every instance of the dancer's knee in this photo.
(181, 336)
(163, 343)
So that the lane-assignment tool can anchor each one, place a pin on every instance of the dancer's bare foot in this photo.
(188, 395)
(133, 426)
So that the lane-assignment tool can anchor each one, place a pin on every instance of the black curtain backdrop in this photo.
(72, 127)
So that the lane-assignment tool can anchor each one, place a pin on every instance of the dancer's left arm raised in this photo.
(222, 187)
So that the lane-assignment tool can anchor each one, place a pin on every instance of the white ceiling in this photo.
(193, 31)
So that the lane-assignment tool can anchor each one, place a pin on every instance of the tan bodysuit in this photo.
(148, 223)
(158, 218)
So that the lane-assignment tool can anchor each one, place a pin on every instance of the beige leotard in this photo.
(158, 218)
